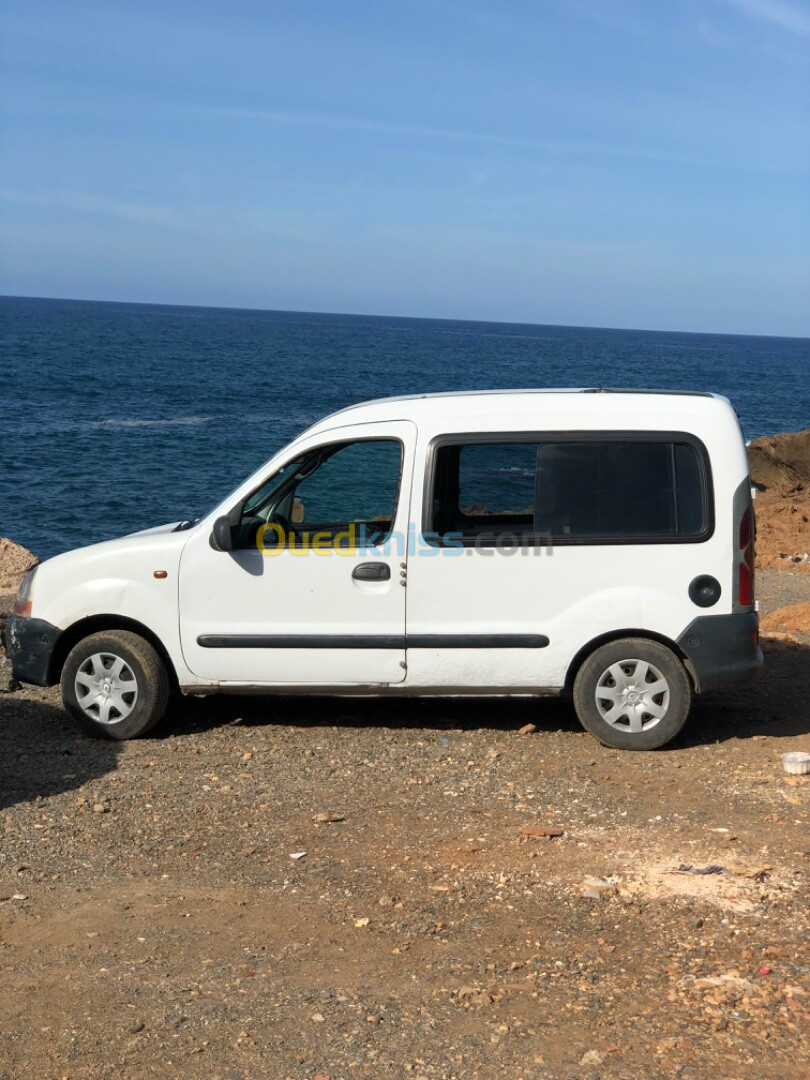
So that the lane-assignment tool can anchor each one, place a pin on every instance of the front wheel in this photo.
(632, 694)
(115, 685)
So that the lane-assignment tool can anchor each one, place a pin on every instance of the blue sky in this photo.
(636, 163)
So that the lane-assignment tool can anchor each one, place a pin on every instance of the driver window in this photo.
(325, 492)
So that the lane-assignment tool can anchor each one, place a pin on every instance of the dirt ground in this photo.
(300, 888)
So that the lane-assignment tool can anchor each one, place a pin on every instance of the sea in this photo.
(116, 417)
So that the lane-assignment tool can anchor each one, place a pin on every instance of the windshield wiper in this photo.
(185, 525)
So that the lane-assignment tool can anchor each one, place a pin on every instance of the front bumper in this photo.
(722, 650)
(30, 645)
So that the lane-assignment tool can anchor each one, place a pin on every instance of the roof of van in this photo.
(476, 402)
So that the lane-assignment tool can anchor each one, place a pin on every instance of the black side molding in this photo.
(477, 641)
(372, 641)
(301, 641)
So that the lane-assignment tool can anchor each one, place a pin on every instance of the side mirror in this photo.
(221, 538)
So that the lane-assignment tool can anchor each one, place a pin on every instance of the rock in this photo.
(592, 1057)
(478, 999)
(15, 560)
(596, 888)
(780, 465)
(780, 461)
(474, 995)
(527, 729)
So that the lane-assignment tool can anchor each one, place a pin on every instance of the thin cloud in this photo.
(794, 19)
(379, 127)
(552, 149)
(89, 203)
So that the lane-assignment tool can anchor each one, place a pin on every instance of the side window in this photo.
(692, 500)
(358, 483)
(497, 479)
(327, 491)
(622, 491)
(586, 490)
(484, 489)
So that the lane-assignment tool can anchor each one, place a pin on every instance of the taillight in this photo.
(745, 568)
(745, 589)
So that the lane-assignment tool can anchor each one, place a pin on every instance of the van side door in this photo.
(544, 540)
(312, 592)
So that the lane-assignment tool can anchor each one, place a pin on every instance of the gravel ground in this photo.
(777, 589)
(294, 888)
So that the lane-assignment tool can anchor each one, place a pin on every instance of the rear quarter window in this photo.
(581, 489)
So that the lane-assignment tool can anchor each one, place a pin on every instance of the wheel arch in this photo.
(616, 635)
(95, 624)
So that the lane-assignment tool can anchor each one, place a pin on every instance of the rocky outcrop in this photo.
(781, 461)
(14, 561)
(780, 467)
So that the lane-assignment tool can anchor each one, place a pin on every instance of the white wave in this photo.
(175, 421)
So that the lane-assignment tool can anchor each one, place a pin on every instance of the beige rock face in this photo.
(781, 461)
(14, 561)
(781, 465)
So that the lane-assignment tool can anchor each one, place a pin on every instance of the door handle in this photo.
(372, 571)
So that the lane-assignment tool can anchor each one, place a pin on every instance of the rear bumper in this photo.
(722, 650)
(29, 645)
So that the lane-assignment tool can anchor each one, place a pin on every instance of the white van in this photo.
(591, 542)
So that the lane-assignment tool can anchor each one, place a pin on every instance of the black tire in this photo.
(125, 684)
(632, 694)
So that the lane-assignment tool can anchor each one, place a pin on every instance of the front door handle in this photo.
(372, 571)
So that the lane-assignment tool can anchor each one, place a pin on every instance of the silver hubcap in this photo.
(106, 688)
(632, 695)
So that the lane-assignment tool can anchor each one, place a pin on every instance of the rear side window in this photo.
(582, 489)
(497, 478)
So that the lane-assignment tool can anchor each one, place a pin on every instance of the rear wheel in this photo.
(632, 694)
(115, 685)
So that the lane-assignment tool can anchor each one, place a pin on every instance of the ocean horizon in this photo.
(415, 318)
